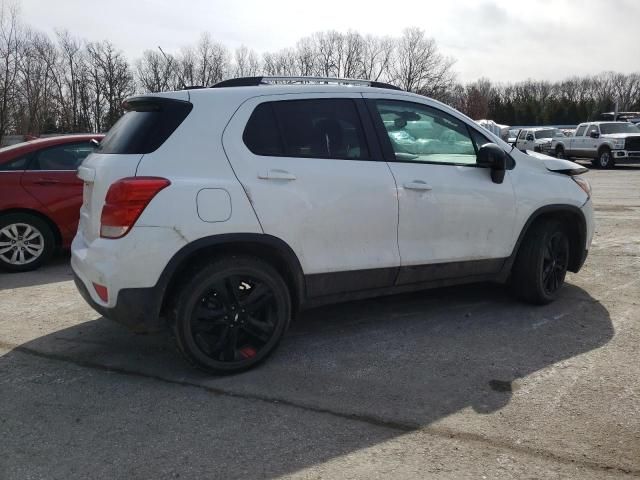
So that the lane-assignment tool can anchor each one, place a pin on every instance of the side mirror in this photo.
(492, 156)
(529, 138)
(594, 134)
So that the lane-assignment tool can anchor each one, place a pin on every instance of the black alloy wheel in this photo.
(232, 315)
(555, 262)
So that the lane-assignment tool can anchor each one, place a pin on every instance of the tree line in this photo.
(63, 84)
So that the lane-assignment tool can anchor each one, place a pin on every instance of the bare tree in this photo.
(418, 66)
(213, 61)
(247, 63)
(376, 57)
(155, 73)
(112, 81)
(10, 49)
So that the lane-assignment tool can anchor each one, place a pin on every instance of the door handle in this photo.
(417, 185)
(276, 174)
(46, 181)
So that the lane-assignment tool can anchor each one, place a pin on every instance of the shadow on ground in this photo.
(57, 270)
(345, 378)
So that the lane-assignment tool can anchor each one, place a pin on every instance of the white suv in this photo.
(221, 212)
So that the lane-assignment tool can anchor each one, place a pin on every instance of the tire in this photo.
(20, 254)
(560, 153)
(605, 160)
(541, 264)
(231, 315)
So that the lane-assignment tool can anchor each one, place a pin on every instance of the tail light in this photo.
(125, 201)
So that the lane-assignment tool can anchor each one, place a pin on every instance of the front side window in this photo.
(580, 131)
(16, 164)
(314, 128)
(62, 157)
(419, 133)
(523, 134)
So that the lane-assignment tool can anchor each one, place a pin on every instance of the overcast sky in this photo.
(501, 40)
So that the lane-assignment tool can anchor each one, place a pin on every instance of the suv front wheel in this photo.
(541, 265)
(231, 314)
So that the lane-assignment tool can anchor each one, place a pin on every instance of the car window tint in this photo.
(63, 157)
(580, 131)
(419, 133)
(261, 134)
(321, 128)
(19, 163)
(523, 134)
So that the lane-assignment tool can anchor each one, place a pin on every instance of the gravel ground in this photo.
(454, 383)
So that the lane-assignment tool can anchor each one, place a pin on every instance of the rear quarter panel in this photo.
(193, 159)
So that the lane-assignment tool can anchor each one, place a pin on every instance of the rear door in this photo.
(577, 142)
(591, 144)
(318, 183)
(52, 179)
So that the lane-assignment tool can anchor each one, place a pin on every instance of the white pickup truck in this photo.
(605, 143)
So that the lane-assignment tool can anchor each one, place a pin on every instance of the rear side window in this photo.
(261, 134)
(62, 157)
(146, 125)
(315, 128)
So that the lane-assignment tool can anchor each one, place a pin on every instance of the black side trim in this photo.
(259, 243)
(411, 287)
(449, 270)
(321, 284)
(140, 309)
(395, 278)
(135, 307)
(578, 252)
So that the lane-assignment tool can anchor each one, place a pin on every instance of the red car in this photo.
(40, 198)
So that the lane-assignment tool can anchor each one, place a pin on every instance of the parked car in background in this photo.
(537, 139)
(40, 198)
(605, 143)
(220, 212)
(512, 136)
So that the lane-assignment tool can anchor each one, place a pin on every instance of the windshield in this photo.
(551, 133)
(607, 128)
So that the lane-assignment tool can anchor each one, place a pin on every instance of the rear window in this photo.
(146, 125)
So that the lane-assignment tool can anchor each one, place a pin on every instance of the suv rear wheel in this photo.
(26, 242)
(541, 264)
(232, 314)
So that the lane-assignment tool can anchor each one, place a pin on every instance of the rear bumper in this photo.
(129, 269)
(135, 308)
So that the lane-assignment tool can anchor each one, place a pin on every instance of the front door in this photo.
(315, 182)
(454, 221)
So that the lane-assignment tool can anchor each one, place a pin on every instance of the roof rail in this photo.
(266, 80)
